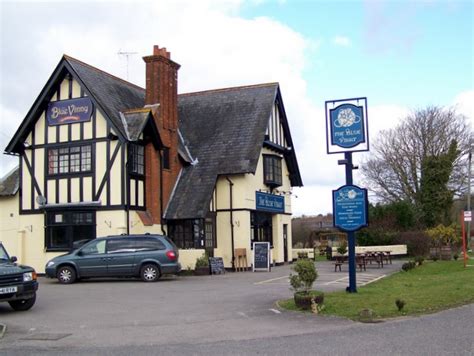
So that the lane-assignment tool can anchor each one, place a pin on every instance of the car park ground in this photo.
(171, 314)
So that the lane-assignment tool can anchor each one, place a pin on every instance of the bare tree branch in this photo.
(394, 169)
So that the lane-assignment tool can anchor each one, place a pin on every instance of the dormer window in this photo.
(137, 159)
(272, 170)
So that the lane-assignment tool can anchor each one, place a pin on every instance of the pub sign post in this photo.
(347, 131)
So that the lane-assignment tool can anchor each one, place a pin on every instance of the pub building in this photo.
(100, 156)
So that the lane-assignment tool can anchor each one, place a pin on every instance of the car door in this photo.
(91, 259)
(120, 256)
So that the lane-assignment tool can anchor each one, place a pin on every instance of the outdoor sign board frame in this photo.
(261, 256)
(350, 208)
(69, 111)
(347, 128)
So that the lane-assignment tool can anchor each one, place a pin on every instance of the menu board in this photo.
(261, 256)
(217, 265)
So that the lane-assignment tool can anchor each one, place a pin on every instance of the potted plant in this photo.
(342, 249)
(302, 282)
(201, 267)
(444, 236)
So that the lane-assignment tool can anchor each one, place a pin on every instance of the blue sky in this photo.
(408, 53)
(401, 55)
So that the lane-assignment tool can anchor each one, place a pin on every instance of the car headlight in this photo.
(50, 263)
(29, 276)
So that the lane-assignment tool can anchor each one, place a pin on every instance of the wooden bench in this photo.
(338, 263)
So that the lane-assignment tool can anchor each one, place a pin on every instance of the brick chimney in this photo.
(162, 89)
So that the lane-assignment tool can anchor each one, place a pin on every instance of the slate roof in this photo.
(113, 95)
(137, 121)
(224, 130)
(10, 183)
(221, 132)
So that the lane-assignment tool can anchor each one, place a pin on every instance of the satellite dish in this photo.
(41, 200)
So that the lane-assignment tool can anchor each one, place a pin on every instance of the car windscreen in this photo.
(3, 253)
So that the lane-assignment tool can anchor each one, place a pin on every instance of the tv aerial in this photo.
(127, 55)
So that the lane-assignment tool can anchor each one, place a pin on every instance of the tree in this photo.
(436, 198)
(404, 160)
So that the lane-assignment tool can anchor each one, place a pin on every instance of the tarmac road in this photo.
(224, 314)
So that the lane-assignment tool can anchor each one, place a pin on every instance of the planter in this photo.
(303, 300)
(434, 252)
(202, 271)
(446, 253)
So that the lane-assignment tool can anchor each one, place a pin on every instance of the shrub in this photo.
(374, 237)
(435, 258)
(419, 260)
(305, 277)
(418, 242)
(202, 261)
(444, 235)
(342, 249)
(408, 266)
(302, 255)
(455, 256)
(400, 303)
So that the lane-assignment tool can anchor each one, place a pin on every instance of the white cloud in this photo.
(9, 120)
(464, 104)
(342, 41)
(215, 47)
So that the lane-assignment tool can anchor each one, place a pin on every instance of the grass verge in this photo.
(428, 288)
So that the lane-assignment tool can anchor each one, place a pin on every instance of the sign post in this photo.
(467, 217)
(347, 132)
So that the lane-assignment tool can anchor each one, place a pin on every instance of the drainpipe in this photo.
(231, 184)
(127, 188)
(161, 193)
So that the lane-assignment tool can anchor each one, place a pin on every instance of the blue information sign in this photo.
(269, 202)
(347, 125)
(350, 207)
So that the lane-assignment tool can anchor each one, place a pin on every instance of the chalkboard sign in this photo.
(217, 265)
(261, 256)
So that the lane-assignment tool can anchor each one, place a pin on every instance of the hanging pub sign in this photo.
(69, 111)
(346, 125)
(350, 207)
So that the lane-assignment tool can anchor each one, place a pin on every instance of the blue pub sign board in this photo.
(269, 202)
(69, 111)
(346, 125)
(350, 207)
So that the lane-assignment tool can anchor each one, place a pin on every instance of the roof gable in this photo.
(108, 93)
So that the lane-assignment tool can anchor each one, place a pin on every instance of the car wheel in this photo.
(150, 273)
(66, 275)
(23, 304)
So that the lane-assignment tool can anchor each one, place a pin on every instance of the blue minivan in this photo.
(145, 256)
